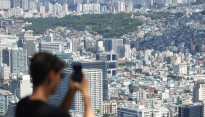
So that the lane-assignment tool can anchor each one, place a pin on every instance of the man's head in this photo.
(46, 70)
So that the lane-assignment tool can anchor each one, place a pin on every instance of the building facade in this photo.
(111, 58)
(110, 108)
(191, 111)
(97, 65)
(16, 59)
(5, 71)
(95, 83)
(20, 85)
(198, 93)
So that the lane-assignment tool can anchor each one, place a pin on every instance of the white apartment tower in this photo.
(24, 4)
(121, 6)
(65, 8)
(127, 51)
(96, 91)
(94, 77)
(79, 8)
(5, 4)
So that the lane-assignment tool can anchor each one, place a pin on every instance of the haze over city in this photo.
(142, 58)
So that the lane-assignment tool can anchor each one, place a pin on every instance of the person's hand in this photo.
(71, 85)
(81, 86)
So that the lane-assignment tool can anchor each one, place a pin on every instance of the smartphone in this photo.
(77, 73)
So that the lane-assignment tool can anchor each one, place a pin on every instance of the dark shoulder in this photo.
(26, 108)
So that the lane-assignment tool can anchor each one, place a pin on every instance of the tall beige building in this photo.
(198, 93)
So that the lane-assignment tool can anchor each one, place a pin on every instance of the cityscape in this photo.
(142, 58)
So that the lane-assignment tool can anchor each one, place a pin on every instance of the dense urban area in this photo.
(143, 58)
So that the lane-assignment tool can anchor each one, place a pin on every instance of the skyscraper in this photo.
(98, 65)
(16, 59)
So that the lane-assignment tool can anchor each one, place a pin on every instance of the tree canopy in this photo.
(108, 25)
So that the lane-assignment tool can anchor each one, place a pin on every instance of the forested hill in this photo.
(108, 25)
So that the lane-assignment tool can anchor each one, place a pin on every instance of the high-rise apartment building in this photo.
(16, 59)
(111, 58)
(198, 93)
(20, 85)
(57, 8)
(95, 79)
(79, 8)
(24, 4)
(49, 7)
(32, 5)
(65, 8)
(121, 6)
(104, 9)
(95, 83)
(15, 3)
(5, 4)
(98, 65)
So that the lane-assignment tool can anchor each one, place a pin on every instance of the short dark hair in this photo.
(40, 66)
